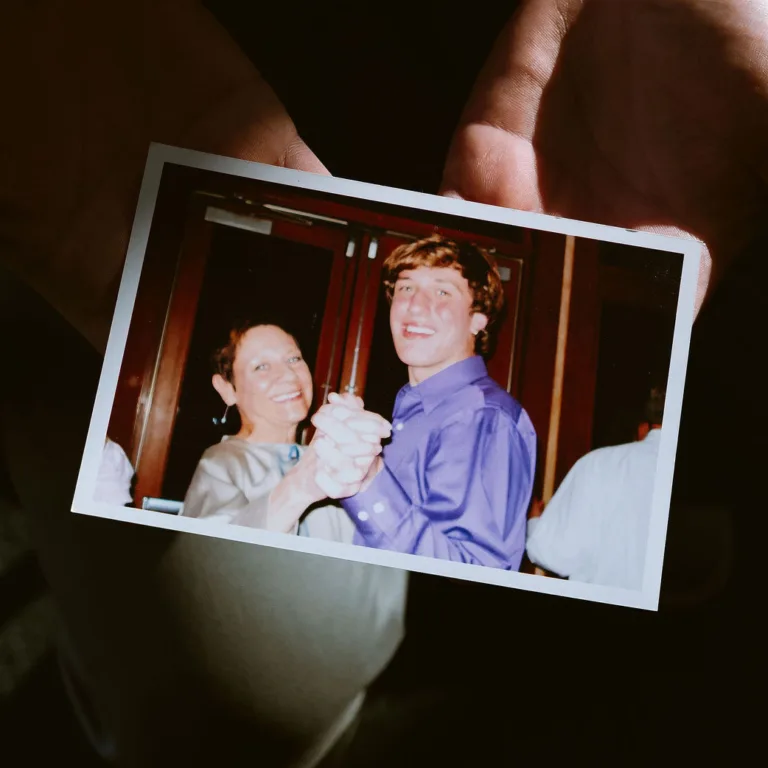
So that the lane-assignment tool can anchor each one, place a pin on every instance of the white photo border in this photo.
(160, 154)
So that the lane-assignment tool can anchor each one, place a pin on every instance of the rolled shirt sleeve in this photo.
(476, 488)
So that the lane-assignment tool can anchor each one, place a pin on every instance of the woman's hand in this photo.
(341, 458)
(348, 443)
(305, 485)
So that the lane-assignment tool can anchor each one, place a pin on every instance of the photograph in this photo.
(393, 377)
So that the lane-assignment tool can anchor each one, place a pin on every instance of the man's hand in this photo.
(348, 444)
(108, 79)
(647, 114)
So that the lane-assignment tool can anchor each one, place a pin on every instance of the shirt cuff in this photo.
(379, 510)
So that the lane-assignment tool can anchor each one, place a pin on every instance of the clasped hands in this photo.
(347, 445)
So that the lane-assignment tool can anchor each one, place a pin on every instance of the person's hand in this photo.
(348, 443)
(536, 510)
(108, 79)
(355, 432)
(311, 481)
(325, 471)
(645, 114)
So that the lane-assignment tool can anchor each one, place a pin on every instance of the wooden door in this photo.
(232, 267)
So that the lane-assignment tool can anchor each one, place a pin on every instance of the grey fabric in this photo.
(191, 648)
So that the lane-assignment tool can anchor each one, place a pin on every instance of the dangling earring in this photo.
(222, 420)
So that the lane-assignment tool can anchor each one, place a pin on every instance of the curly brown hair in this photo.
(472, 262)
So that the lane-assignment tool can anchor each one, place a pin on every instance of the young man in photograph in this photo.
(455, 481)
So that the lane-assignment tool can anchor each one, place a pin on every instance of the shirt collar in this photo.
(440, 386)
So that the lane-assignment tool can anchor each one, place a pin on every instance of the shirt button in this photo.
(362, 515)
(378, 507)
(399, 425)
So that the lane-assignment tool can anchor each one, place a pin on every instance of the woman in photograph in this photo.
(261, 477)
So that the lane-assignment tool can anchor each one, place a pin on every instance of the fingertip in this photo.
(299, 156)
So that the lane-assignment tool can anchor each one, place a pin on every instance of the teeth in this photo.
(419, 329)
(289, 396)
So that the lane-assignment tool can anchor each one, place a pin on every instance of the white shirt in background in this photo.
(113, 483)
(595, 527)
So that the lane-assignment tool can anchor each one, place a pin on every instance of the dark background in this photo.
(635, 342)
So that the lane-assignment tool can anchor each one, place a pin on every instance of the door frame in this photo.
(161, 391)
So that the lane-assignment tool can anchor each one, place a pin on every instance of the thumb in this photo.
(299, 156)
(492, 158)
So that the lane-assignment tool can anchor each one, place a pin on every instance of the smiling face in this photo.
(431, 319)
(271, 385)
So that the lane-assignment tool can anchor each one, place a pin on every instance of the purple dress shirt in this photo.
(457, 476)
